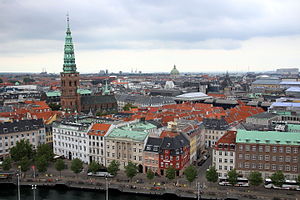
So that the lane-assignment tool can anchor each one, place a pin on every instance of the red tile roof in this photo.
(99, 129)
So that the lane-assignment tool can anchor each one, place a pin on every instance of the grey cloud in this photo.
(122, 24)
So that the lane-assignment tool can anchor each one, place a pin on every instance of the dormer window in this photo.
(15, 128)
(5, 130)
(26, 128)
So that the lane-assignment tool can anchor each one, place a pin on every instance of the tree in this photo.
(76, 165)
(278, 178)
(24, 163)
(94, 167)
(41, 163)
(170, 173)
(150, 174)
(46, 151)
(59, 166)
(113, 167)
(54, 106)
(190, 173)
(131, 170)
(255, 178)
(232, 177)
(28, 80)
(6, 165)
(22, 149)
(212, 175)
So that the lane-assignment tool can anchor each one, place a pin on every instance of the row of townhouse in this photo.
(102, 142)
(263, 151)
(32, 130)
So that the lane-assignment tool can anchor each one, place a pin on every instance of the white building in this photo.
(97, 143)
(224, 154)
(32, 130)
(71, 140)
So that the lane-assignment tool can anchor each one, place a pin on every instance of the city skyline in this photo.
(151, 37)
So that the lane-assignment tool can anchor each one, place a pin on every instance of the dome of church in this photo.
(174, 71)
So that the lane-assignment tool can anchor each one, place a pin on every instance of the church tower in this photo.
(70, 99)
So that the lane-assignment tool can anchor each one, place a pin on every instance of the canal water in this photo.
(43, 193)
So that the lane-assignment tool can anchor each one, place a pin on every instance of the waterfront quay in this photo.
(214, 191)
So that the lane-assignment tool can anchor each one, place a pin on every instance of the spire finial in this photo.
(68, 20)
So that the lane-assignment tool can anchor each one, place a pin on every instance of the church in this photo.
(70, 98)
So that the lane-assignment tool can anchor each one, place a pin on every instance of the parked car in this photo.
(201, 162)
(100, 174)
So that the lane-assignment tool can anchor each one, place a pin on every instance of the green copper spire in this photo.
(69, 57)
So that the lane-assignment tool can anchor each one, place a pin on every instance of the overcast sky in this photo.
(151, 35)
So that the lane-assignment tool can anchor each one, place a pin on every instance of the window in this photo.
(273, 158)
(260, 157)
(253, 165)
(247, 147)
(274, 149)
(246, 165)
(280, 159)
(240, 156)
(295, 159)
(288, 159)
(231, 160)
(220, 160)
(295, 150)
(240, 165)
(220, 167)
(247, 157)
(267, 149)
(273, 167)
(253, 148)
(253, 157)
(267, 166)
(287, 168)
(280, 149)
(241, 147)
(288, 150)
(225, 160)
(261, 149)
(267, 157)
(295, 168)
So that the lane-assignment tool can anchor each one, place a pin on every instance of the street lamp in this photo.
(33, 187)
(19, 195)
(198, 190)
(106, 184)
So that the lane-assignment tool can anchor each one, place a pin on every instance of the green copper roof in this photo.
(53, 94)
(137, 131)
(294, 128)
(57, 93)
(268, 137)
(69, 57)
(83, 91)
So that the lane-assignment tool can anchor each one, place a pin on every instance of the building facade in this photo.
(268, 152)
(11, 132)
(71, 140)
(126, 143)
(97, 144)
(224, 154)
(174, 152)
